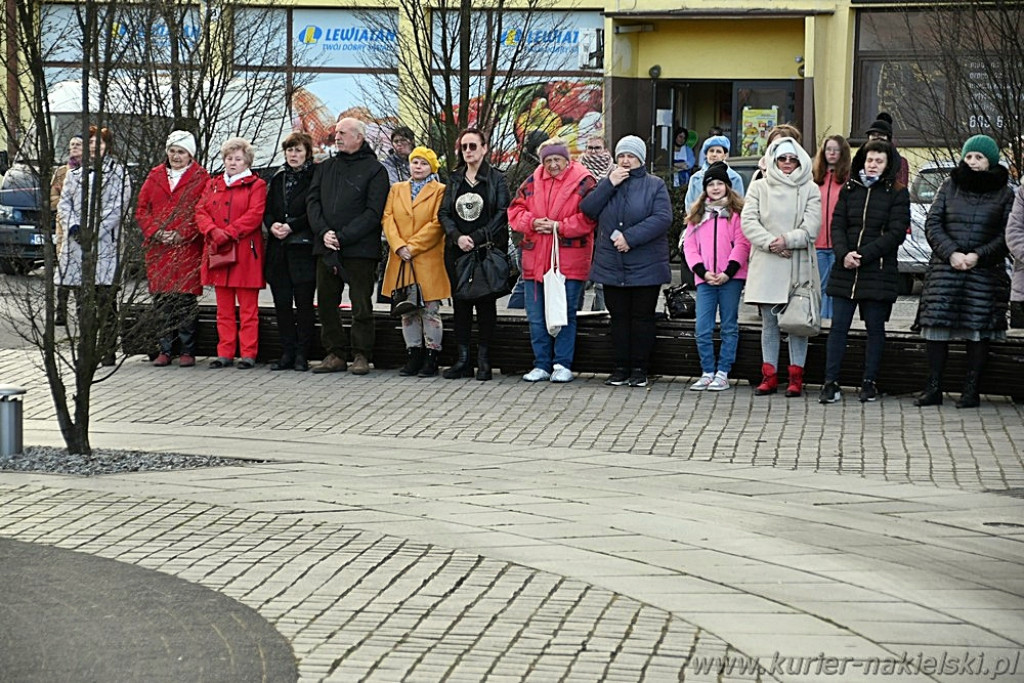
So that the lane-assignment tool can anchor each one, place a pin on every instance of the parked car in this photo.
(915, 252)
(21, 233)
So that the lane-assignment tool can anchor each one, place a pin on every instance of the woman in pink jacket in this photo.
(547, 204)
(831, 171)
(717, 252)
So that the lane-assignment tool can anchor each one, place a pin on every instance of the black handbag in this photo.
(406, 297)
(483, 273)
(679, 303)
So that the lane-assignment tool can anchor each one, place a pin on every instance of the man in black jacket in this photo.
(345, 204)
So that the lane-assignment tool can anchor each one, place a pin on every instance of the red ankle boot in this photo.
(769, 380)
(796, 381)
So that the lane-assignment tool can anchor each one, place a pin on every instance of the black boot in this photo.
(301, 362)
(462, 368)
(932, 394)
(287, 360)
(969, 397)
(483, 361)
(429, 368)
(415, 362)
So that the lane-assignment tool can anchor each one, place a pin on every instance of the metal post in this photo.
(10, 419)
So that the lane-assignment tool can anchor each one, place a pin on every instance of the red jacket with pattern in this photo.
(541, 196)
(172, 267)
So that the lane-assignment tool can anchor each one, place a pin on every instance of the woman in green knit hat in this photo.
(967, 289)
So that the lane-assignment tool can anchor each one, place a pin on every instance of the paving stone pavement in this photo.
(753, 528)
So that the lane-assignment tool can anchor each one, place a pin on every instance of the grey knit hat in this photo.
(631, 144)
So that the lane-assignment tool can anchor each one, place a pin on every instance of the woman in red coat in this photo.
(230, 217)
(166, 214)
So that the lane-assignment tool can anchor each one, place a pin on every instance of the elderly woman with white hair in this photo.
(781, 218)
(230, 217)
(166, 214)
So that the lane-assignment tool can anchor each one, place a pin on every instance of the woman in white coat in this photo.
(112, 203)
(781, 218)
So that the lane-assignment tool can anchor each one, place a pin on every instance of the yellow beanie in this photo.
(426, 154)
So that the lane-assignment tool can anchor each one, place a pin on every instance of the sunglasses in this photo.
(469, 146)
(789, 159)
(595, 148)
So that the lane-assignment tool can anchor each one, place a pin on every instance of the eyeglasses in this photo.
(401, 141)
(469, 146)
(788, 159)
(595, 148)
(877, 136)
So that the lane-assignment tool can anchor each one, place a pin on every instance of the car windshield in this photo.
(927, 183)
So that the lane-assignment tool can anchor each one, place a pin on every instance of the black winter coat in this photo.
(492, 225)
(347, 195)
(290, 259)
(968, 215)
(872, 221)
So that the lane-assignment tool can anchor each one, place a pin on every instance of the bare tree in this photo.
(139, 70)
(487, 65)
(956, 70)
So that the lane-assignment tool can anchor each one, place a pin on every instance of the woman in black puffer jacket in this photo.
(869, 224)
(967, 289)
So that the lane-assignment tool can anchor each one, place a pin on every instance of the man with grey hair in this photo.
(345, 205)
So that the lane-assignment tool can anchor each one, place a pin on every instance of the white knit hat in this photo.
(183, 139)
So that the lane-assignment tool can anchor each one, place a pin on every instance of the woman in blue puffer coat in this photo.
(633, 213)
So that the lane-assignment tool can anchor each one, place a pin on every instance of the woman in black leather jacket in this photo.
(473, 213)
(967, 289)
(290, 266)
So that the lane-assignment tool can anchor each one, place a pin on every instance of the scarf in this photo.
(74, 163)
(599, 164)
(229, 180)
(867, 180)
(416, 185)
(291, 179)
(716, 206)
(174, 176)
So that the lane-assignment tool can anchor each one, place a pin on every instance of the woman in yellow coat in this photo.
(416, 239)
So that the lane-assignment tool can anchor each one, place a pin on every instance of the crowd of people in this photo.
(825, 229)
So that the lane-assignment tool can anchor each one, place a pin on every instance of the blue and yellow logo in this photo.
(310, 35)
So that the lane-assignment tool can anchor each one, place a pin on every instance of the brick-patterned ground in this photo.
(891, 440)
(362, 606)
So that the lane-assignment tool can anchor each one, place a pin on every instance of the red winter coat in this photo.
(238, 211)
(172, 268)
(541, 196)
(829, 196)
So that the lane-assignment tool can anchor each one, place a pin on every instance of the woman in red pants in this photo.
(230, 216)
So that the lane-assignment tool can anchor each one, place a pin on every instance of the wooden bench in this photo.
(904, 366)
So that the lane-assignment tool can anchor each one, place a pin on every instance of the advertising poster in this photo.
(754, 127)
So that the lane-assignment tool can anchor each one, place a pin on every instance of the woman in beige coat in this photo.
(781, 218)
(416, 238)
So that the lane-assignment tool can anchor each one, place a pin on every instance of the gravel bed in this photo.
(108, 461)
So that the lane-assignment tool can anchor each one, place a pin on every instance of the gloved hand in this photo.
(219, 237)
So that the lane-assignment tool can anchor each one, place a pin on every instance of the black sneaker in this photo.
(618, 378)
(830, 393)
(868, 392)
(638, 378)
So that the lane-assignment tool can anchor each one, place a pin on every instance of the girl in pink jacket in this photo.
(717, 253)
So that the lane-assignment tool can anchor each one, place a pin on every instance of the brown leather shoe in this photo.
(360, 366)
(330, 364)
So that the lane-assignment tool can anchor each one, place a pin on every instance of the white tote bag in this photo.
(556, 311)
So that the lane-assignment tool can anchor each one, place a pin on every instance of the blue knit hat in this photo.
(985, 145)
(631, 144)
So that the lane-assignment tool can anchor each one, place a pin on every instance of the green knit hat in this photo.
(983, 144)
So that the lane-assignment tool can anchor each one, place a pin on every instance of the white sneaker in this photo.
(703, 383)
(720, 382)
(536, 375)
(561, 374)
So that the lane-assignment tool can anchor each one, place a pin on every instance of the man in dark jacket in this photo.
(345, 205)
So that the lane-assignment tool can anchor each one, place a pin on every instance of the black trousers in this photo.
(486, 316)
(295, 325)
(632, 323)
(177, 315)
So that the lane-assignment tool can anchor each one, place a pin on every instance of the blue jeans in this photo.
(711, 300)
(549, 351)
(874, 314)
(826, 259)
(516, 300)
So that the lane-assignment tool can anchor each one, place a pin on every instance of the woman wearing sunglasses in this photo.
(473, 214)
(781, 218)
